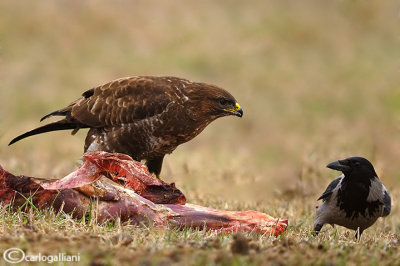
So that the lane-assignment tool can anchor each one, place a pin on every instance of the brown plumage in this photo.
(144, 117)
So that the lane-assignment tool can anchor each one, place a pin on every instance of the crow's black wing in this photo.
(330, 188)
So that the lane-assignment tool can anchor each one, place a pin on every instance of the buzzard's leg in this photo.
(155, 165)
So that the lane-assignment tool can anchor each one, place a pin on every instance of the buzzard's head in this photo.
(212, 102)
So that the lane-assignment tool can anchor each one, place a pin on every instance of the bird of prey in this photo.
(145, 117)
(355, 200)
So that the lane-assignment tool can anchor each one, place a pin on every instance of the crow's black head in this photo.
(354, 168)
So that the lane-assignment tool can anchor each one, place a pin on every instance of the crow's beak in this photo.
(238, 110)
(339, 166)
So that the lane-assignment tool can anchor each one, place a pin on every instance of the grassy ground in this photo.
(318, 81)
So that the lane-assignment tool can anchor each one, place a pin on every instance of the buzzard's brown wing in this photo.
(122, 101)
(118, 102)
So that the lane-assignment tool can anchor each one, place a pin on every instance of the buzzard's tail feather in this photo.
(58, 112)
(59, 125)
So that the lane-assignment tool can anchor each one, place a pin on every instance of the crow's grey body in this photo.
(355, 200)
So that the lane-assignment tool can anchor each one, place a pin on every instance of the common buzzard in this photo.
(145, 117)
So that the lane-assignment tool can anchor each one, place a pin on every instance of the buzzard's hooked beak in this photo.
(339, 166)
(237, 110)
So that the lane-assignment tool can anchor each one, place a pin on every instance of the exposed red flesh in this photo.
(191, 215)
(141, 199)
(121, 169)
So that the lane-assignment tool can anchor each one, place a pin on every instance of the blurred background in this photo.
(318, 81)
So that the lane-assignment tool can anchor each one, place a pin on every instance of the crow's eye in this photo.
(357, 164)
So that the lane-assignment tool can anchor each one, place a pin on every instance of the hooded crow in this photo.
(355, 200)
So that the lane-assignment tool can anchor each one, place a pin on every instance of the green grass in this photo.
(318, 81)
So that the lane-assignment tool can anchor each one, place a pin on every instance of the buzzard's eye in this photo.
(223, 102)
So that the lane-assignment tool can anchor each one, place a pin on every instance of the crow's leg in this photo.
(317, 228)
(358, 233)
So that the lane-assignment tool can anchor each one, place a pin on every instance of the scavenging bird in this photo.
(354, 200)
(145, 117)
